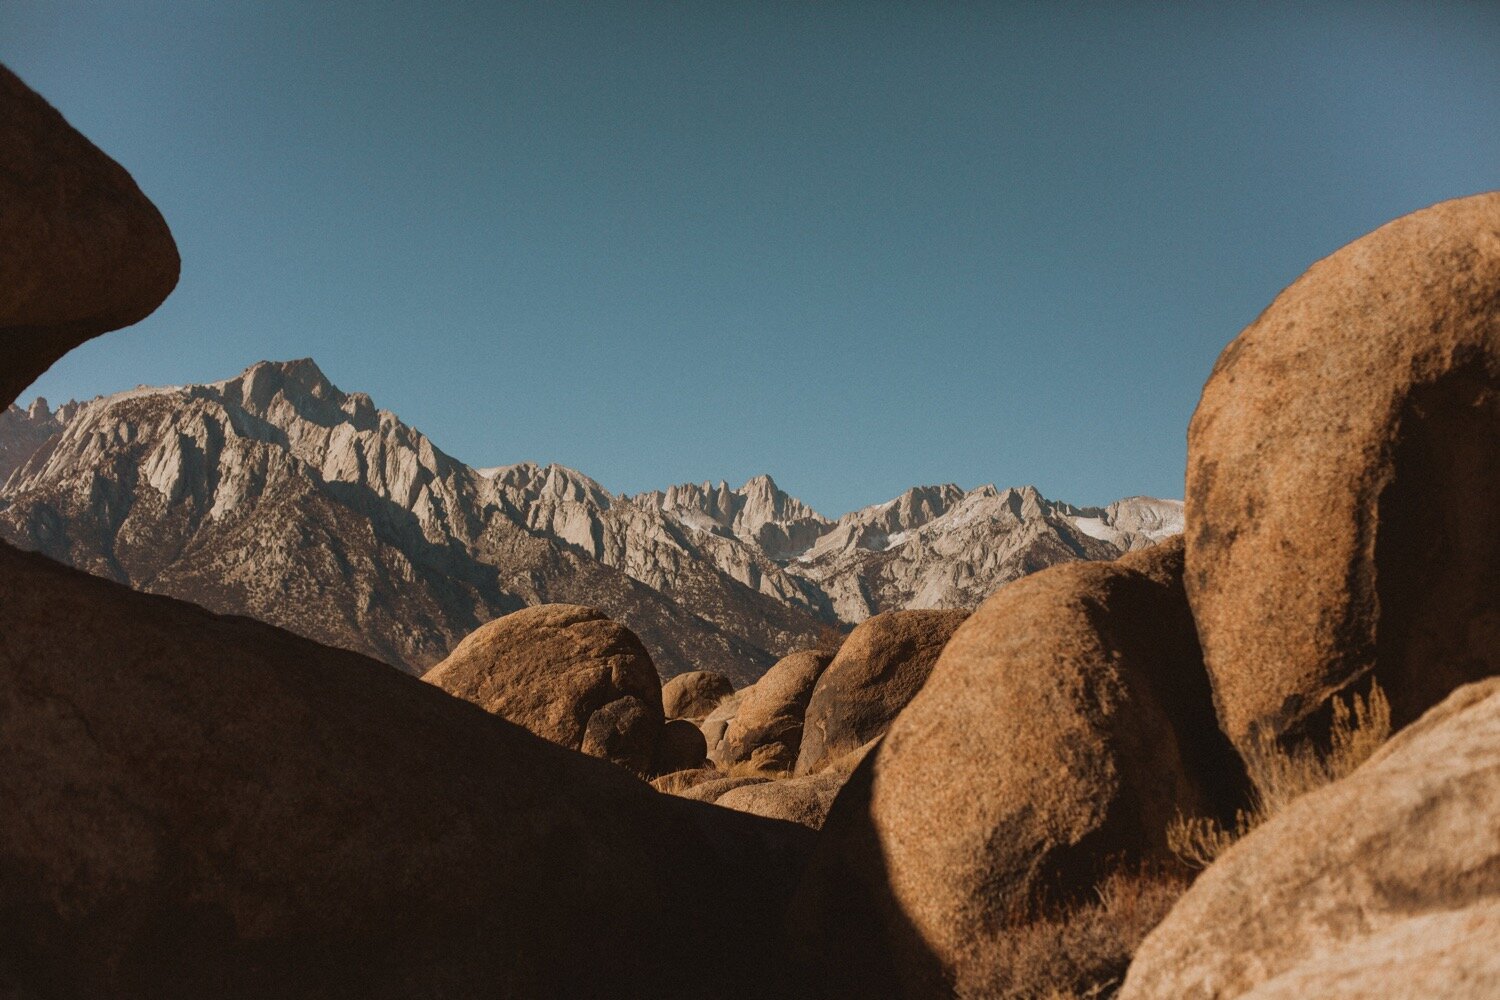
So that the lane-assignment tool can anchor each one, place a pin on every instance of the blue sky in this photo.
(859, 246)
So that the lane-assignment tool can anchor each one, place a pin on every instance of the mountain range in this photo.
(276, 495)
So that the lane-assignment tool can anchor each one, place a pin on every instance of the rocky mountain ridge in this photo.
(277, 495)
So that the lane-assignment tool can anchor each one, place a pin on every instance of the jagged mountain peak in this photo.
(1132, 522)
(915, 506)
(300, 373)
(217, 442)
(763, 502)
(22, 432)
(552, 480)
(759, 513)
(300, 388)
(288, 498)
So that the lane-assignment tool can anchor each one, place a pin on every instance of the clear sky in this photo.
(857, 245)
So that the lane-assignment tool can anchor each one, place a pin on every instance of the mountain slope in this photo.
(276, 495)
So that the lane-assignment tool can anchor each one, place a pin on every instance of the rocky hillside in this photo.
(276, 495)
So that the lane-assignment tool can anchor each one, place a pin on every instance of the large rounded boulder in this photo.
(82, 251)
(694, 694)
(1343, 481)
(878, 669)
(680, 748)
(568, 674)
(1064, 726)
(767, 727)
(1386, 883)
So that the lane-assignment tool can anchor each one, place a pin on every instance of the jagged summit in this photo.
(22, 432)
(299, 374)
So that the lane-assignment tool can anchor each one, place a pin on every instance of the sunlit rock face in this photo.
(1343, 480)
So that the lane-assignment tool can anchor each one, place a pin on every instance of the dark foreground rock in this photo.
(204, 806)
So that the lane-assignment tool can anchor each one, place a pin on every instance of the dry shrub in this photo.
(677, 782)
(1359, 729)
(1278, 776)
(849, 761)
(1197, 840)
(752, 768)
(1081, 950)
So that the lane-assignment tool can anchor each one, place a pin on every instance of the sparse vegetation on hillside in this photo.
(1278, 775)
(753, 768)
(680, 781)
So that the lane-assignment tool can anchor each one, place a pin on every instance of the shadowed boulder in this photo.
(694, 694)
(878, 669)
(1343, 481)
(205, 806)
(1064, 725)
(680, 748)
(82, 251)
(568, 674)
(624, 732)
